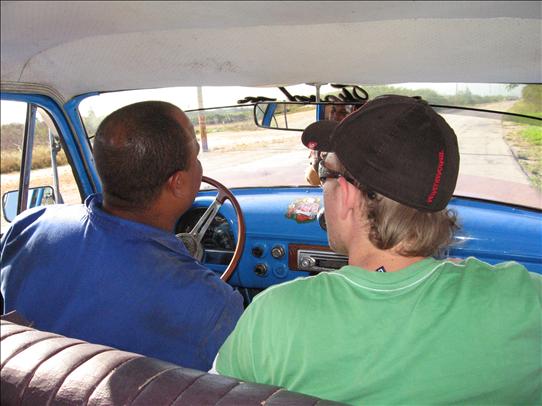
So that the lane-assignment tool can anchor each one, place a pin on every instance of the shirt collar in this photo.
(384, 280)
(115, 224)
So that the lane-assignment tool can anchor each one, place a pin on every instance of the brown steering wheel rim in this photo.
(223, 195)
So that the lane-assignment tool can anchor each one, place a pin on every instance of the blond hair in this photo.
(410, 232)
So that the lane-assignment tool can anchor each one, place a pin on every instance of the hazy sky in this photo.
(186, 97)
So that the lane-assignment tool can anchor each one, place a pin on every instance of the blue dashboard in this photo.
(282, 227)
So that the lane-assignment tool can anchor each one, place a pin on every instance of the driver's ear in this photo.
(175, 183)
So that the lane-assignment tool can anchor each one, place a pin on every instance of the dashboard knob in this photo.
(258, 251)
(260, 270)
(308, 262)
(277, 252)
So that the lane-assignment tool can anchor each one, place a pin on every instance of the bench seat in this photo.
(42, 368)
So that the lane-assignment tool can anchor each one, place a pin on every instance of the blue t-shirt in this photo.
(81, 272)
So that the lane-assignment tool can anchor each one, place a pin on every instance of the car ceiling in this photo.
(85, 46)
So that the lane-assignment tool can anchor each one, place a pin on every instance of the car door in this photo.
(37, 167)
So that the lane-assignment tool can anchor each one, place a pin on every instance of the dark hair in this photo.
(136, 149)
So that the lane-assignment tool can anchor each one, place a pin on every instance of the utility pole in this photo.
(55, 148)
(201, 121)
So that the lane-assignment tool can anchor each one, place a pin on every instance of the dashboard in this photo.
(286, 240)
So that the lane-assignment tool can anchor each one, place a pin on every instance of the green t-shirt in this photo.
(435, 332)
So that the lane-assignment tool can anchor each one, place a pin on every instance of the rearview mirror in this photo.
(37, 196)
(296, 116)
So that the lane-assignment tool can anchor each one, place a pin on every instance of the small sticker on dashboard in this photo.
(303, 210)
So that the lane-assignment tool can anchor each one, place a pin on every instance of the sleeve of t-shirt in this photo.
(235, 357)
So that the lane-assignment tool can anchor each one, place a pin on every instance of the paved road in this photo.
(256, 167)
(483, 149)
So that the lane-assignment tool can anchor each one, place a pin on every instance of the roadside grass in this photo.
(524, 107)
(524, 136)
(237, 126)
(533, 135)
(41, 158)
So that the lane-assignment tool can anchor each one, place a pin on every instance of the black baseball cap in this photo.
(397, 146)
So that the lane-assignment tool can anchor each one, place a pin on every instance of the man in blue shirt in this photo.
(111, 271)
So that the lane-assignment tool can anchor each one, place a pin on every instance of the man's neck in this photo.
(382, 264)
(371, 258)
(148, 216)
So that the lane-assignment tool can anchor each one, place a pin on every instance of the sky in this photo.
(186, 97)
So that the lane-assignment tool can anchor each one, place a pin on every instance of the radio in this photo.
(319, 261)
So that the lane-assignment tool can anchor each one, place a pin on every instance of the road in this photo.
(483, 149)
(488, 168)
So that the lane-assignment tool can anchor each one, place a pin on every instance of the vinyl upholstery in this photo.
(42, 368)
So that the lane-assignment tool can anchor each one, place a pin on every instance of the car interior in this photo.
(257, 222)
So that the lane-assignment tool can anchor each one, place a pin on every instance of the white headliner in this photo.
(78, 47)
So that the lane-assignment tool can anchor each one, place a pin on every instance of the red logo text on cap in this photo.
(438, 176)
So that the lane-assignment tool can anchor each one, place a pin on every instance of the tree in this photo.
(92, 122)
(532, 94)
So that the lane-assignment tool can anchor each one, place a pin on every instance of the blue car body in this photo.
(491, 232)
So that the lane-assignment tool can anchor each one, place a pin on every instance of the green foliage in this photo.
(532, 95)
(522, 107)
(532, 134)
(528, 144)
(530, 104)
(527, 139)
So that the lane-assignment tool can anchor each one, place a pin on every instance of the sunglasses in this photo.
(326, 173)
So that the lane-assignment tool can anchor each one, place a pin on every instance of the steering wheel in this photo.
(193, 239)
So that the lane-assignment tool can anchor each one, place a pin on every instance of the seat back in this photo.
(42, 368)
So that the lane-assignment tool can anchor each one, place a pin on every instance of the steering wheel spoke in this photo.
(205, 221)
(193, 239)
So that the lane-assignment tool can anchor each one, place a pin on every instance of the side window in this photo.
(51, 178)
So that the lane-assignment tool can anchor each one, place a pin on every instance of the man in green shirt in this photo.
(394, 326)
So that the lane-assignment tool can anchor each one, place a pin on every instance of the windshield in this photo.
(500, 155)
